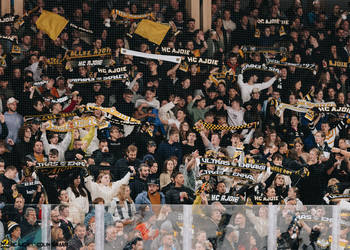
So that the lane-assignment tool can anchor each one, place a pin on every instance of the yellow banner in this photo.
(76, 124)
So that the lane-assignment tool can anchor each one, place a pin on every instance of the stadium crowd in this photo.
(141, 172)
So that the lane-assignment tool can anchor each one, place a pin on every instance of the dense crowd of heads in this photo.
(259, 117)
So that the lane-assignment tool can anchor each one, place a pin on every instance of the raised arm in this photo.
(267, 84)
(44, 139)
(341, 151)
(66, 140)
(205, 139)
(117, 184)
(90, 184)
(240, 80)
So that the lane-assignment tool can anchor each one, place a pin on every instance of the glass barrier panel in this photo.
(149, 226)
(214, 226)
(304, 226)
(230, 227)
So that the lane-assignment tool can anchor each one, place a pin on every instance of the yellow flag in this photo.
(152, 31)
(51, 23)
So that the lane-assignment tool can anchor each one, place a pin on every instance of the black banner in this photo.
(255, 167)
(97, 79)
(223, 172)
(54, 61)
(202, 61)
(52, 168)
(273, 21)
(253, 49)
(71, 54)
(115, 70)
(260, 67)
(345, 110)
(308, 66)
(339, 196)
(224, 198)
(9, 38)
(7, 19)
(174, 51)
(40, 83)
(338, 64)
(101, 62)
(60, 100)
(72, 25)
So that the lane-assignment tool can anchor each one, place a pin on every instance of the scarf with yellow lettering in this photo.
(123, 14)
(71, 54)
(125, 120)
(115, 113)
(46, 117)
(84, 122)
(53, 168)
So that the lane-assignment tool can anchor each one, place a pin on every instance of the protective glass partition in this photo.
(214, 226)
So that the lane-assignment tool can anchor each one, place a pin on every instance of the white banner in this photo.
(173, 59)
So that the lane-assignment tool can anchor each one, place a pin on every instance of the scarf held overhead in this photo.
(227, 174)
(123, 14)
(224, 127)
(53, 168)
(47, 117)
(173, 59)
(76, 124)
(254, 167)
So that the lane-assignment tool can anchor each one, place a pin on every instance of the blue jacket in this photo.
(142, 198)
(165, 150)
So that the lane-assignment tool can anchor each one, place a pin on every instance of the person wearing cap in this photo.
(212, 94)
(151, 151)
(151, 197)
(14, 234)
(35, 127)
(14, 121)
